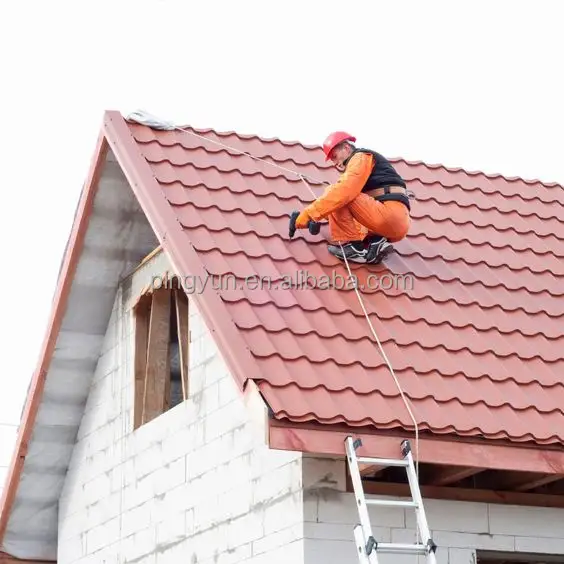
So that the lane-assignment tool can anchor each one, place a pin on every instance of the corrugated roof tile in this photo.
(475, 340)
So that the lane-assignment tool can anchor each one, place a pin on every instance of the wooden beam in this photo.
(464, 494)
(158, 361)
(370, 469)
(141, 312)
(329, 440)
(451, 475)
(182, 317)
(530, 483)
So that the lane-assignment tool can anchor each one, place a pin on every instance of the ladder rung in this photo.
(391, 503)
(401, 548)
(366, 544)
(383, 461)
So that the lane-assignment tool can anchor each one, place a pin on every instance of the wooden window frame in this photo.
(152, 315)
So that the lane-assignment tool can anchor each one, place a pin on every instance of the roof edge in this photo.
(178, 248)
(322, 440)
(35, 391)
(287, 142)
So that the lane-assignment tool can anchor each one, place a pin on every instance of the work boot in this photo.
(378, 248)
(354, 251)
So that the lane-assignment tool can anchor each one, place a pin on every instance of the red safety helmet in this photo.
(333, 139)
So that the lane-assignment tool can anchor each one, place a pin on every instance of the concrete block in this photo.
(207, 513)
(408, 536)
(281, 482)
(136, 519)
(149, 460)
(72, 549)
(210, 399)
(478, 541)
(203, 460)
(107, 363)
(145, 436)
(227, 391)
(169, 476)
(400, 559)
(526, 521)
(139, 492)
(73, 524)
(208, 348)
(291, 553)
(310, 506)
(279, 539)
(173, 553)
(176, 445)
(237, 501)
(337, 507)
(98, 537)
(235, 555)
(173, 501)
(461, 556)
(342, 532)
(330, 552)
(245, 530)
(190, 522)
(102, 460)
(282, 513)
(540, 545)
(234, 474)
(97, 488)
(97, 392)
(171, 531)
(139, 547)
(244, 439)
(220, 421)
(463, 517)
(324, 473)
(214, 369)
(269, 460)
(103, 510)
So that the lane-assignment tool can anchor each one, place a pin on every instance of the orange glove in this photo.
(302, 220)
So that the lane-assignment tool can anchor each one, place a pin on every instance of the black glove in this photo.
(313, 226)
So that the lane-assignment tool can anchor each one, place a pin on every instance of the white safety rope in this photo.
(157, 123)
(384, 356)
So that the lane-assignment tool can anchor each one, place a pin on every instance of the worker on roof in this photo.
(367, 208)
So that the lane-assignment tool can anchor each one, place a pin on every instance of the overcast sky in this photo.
(474, 84)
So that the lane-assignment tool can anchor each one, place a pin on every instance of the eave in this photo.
(450, 468)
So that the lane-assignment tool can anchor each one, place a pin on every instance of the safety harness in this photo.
(384, 183)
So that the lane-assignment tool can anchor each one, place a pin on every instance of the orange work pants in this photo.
(365, 216)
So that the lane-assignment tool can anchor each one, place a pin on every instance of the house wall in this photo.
(460, 529)
(196, 485)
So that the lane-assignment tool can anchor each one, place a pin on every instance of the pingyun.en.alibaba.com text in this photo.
(299, 280)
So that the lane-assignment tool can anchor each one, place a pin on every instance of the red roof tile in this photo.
(476, 341)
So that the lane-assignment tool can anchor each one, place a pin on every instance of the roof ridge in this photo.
(200, 130)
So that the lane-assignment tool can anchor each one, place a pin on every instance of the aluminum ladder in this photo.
(366, 544)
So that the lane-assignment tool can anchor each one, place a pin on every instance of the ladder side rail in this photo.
(419, 509)
(361, 545)
(366, 528)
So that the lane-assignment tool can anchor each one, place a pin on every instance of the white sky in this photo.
(473, 84)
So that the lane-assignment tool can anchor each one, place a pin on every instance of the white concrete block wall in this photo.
(195, 485)
(460, 529)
